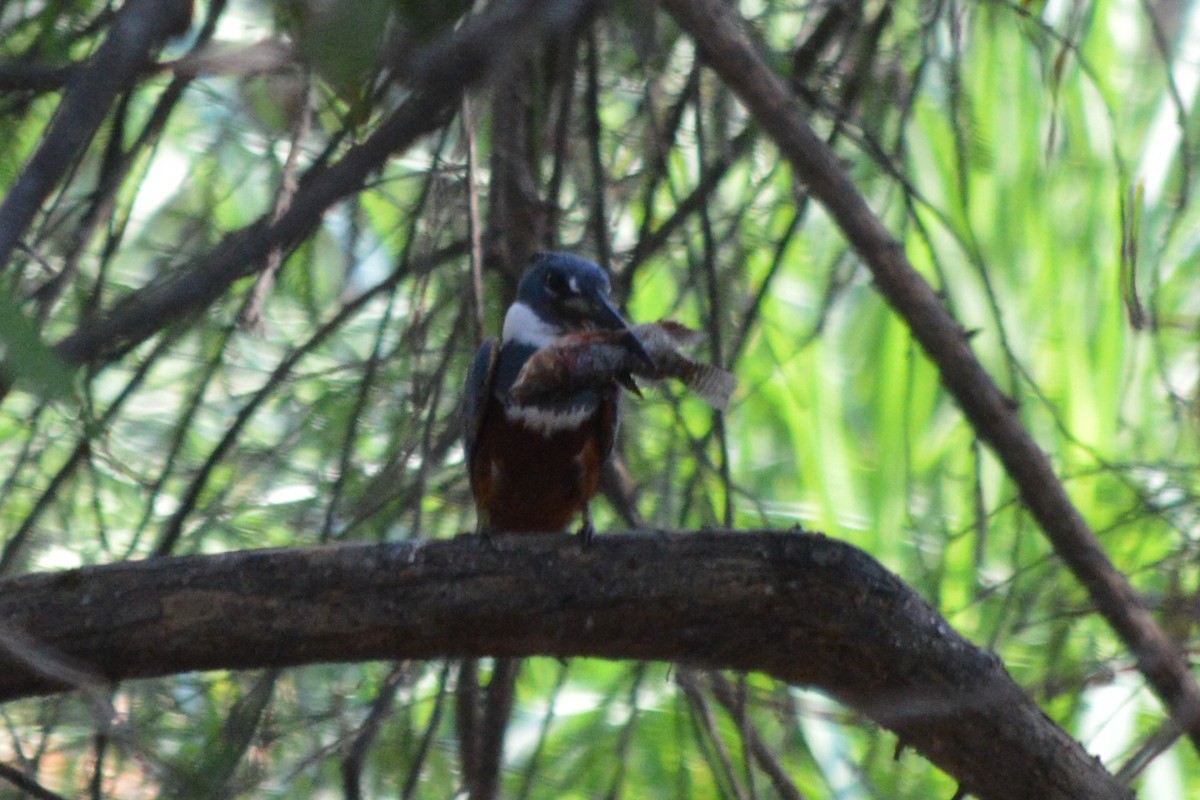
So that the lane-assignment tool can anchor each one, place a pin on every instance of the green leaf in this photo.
(28, 359)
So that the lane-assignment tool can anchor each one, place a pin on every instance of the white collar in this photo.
(523, 326)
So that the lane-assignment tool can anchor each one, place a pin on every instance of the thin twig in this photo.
(621, 757)
(173, 528)
(431, 729)
(474, 224)
(497, 708)
(138, 29)
(26, 784)
(374, 361)
(466, 719)
(708, 725)
(252, 316)
(352, 764)
(528, 779)
(14, 547)
(600, 235)
(729, 697)
(443, 70)
(715, 317)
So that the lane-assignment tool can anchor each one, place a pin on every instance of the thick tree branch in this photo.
(721, 36)
(806, 609)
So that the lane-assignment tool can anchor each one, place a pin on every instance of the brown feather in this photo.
(598, 359)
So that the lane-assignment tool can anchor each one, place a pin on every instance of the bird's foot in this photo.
(586, 532)
(486, 537)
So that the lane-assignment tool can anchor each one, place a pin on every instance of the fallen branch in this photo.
(806, 609)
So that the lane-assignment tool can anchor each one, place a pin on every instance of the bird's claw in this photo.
(586, 532)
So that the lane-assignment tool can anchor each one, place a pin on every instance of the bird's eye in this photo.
(557, 284)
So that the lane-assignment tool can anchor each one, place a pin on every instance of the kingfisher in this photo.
(535, 466)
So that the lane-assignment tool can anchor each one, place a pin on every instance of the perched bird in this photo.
(534, 466)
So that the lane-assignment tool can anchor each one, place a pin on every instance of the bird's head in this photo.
(560, 294)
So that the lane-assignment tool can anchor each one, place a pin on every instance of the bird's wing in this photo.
(479, 385)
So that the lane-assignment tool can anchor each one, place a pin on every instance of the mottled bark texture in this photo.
(806, 609)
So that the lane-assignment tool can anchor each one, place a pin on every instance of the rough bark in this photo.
(806, 609)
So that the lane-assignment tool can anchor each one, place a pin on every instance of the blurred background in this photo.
(1037, 160)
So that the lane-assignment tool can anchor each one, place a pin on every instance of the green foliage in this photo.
(29, 361)
(1000, 142)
